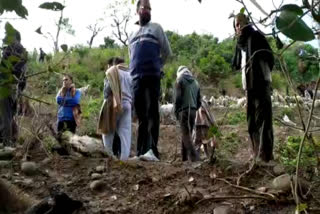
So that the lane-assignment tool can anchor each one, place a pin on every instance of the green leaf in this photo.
(132, 1)
(293, 8)
(22, 12)
(64, 47)
(10, 34)
(13, 5)
(293, 27)
(316, 15)
(39, 30)
(301, 207)
(13, 59)
(242, 10)
(55, 6)
(4, 92)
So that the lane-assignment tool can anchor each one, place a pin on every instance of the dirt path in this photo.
(169, 186)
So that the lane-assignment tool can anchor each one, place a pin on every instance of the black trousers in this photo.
(146, 103)
(67, 125)
(259, 118)
(187, 120)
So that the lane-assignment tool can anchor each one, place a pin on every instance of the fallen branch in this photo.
(271, 197)
(246, 172)
(219, 198)
(286, 124)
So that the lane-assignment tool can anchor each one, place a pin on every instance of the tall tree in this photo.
(120, 13)
(95, 29)
(62, 25)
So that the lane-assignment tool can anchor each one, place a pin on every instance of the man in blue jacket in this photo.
(68, 98)
(148, 48)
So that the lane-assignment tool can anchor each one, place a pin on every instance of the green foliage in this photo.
(64, 47)
(90, 112)
(289, 152)
(237, 80)
(235, 118)
(214, 132)
(291, 25)
(38, 30)
(278, 81)
(13, 5)
(11, 34)
(287, 111)
(55, 6)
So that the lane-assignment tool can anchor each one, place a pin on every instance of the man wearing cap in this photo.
(187, 102)
(148, 49)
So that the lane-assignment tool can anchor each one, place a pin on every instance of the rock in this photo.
(97, 185)
(6, 155)
(100, 169)
(96, 176)
(29, 168)
(5, 164)
(45, 161)
(1, 146)
(282, 183)
(278, 169)
(222, 210)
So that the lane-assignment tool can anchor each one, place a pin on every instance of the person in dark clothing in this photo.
(15, 71)
(187, 102)
(42, 55)
(254, 57)
(149, 49)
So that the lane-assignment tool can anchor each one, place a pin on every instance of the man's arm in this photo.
(178, 98)
(69, 101)
(164, 45)
(198, 99)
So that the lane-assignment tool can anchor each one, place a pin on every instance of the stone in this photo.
(100, 169)
(96, 176)
(97, 185)
(282, 183)
(6, 155)
(222, 210)
(278, 169)
(29, 168)
(5, 164)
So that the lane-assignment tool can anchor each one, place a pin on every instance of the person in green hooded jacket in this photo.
(187, 102)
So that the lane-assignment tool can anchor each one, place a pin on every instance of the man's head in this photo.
(67, 80)
(240, 21)
(114, 61)
(144, 11)
(183, 70)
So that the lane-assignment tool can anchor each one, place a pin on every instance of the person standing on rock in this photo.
(187, 102)
(148, 50)
(254, 57)
(68, 99)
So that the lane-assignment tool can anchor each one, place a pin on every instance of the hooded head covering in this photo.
(183, 70)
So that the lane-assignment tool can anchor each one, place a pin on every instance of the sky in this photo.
(181, 16)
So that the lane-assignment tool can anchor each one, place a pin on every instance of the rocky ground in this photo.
(105, 185)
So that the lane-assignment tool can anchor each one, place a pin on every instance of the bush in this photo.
(236, 118)
(288, 153)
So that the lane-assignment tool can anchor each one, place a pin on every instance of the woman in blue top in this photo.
(68, 98)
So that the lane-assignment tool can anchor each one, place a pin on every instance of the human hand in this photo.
(72, 90)
(63, 91)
